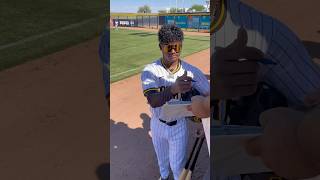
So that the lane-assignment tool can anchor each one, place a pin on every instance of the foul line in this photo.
(32, 38)
(124, 72)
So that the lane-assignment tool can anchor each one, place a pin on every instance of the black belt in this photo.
(172, 123)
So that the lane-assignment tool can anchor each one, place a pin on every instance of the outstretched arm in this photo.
(200, 106)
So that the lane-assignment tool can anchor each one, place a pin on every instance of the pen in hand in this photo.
(185, 80)
(262, 61)
(188, 80)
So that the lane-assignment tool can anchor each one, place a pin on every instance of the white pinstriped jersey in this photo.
(156, 77)
(170, 142)
(295, 75)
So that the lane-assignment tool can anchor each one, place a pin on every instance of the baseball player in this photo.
(249, 47)
(116, 24)
(167, 79)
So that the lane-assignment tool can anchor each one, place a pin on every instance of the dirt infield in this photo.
(132, 154)
(53, 117)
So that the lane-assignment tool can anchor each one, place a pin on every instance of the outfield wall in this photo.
(189, 21)
(198, 21)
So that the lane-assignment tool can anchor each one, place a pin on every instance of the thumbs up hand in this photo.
(183, 84)
(233, 77)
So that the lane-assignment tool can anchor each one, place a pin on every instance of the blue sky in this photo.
(132, 5)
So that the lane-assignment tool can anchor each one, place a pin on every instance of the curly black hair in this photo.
(169, 33)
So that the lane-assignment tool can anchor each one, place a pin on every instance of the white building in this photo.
(208, 6)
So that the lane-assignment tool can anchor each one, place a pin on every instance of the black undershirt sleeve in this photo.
(157, 99)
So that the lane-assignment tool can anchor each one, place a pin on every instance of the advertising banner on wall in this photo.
(189, 21)
(125, 22)
(204, 22)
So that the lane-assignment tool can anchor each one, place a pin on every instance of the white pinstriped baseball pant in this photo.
(170, 144)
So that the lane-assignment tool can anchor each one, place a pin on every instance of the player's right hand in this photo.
(233, 78)
(183, 84)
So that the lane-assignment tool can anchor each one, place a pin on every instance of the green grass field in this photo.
(130, 50)
(28, 18)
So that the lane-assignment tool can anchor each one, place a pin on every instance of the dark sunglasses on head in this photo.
(168, 47)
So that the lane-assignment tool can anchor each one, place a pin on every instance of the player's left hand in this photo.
(278, 147)
(234, 78)
(183, 84)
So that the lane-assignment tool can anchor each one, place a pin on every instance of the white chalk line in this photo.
(35, 37)
(124, 72)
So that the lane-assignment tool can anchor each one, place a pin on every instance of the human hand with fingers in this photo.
(183, 84)
(235, 68)
(288, 145)
(200, 106)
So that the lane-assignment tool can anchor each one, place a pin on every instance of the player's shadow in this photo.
(313, 48)
(131, 151)
(146, 121)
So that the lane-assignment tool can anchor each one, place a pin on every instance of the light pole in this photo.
(183, 5)
(176, 6)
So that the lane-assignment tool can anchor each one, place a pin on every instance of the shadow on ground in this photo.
(132, 155)
(131, 151)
